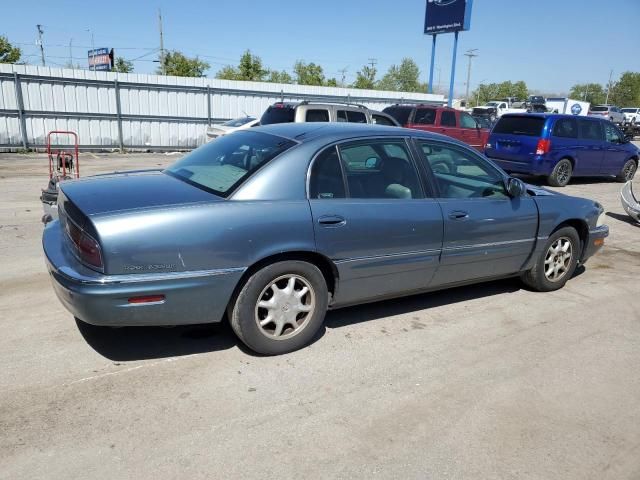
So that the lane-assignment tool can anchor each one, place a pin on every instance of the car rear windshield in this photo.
(278, 114)
(529, 126)
(401, 114)
(224, 164)
(599, 109)
(238, 122)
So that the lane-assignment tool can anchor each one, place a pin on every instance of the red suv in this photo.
(448, 121)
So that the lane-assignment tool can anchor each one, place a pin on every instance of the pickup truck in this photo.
(495, 109)
(447, 121)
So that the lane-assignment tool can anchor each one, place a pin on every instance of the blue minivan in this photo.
(561, 146)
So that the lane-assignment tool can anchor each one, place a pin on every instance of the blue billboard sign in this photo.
(445, 16)
(99, 59)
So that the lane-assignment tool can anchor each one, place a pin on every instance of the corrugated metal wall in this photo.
(115, 110)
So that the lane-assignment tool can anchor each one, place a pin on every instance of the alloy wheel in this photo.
(558, 259)
(285, 306)
(629, 170)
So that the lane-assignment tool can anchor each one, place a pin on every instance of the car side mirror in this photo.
(515, 187)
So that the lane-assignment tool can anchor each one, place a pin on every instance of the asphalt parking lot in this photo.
(484, 382)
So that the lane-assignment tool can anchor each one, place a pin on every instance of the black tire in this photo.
(245, 312)
(561, 174)
(537, 278)
(628, 171)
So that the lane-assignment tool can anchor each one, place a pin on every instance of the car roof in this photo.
(333, 131)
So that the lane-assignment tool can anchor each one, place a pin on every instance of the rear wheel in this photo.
(280, 308)
(557, 263)
(561, 174)
(628, 171)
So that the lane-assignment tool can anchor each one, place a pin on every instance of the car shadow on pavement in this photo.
(143, 343)
(623, 218)
(374, 311)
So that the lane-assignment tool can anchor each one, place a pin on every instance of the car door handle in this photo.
(458, 215)
(332, 220)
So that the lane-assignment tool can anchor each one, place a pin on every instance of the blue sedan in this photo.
(273, 226)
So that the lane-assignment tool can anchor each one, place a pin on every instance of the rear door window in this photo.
(317, 116)
(448, 119)
(356, 117)
(380, 169)
(342, 116)
(326, 180)
(425, 116)
(566, 128)
(590, 130)
(529, 126)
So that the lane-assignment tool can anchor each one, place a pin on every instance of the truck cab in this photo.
(447, 121)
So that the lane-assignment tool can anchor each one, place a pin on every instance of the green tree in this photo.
(279, 77)
(402, 78)
(308, 73)
(332, 82)
(228, 73)
(123, 66)
(626, 91)
(8, 53)
(250, 68)
(593, 93)
(366, 78)
(176, 63)
(497, 91)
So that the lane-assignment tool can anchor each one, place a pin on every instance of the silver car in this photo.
(608, 112)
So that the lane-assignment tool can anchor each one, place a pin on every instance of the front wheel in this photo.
(628, 171)
(557, 263)
(280, 308)
(561, 174)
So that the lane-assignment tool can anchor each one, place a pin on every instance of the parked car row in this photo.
(556, 146)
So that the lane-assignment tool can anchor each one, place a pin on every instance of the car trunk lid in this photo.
(131, 190)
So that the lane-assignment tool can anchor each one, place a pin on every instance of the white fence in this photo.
(135, 111)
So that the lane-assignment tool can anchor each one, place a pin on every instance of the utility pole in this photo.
(343, 73)
(162, 66)
(40, 32)
(606, 102)
(373, 62)
(469, 53)
(71, 52)
(93, 47)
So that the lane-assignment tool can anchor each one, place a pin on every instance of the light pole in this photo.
(93, 47)
(469, 53)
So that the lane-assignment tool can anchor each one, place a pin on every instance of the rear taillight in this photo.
(544, 145)
(85, 246)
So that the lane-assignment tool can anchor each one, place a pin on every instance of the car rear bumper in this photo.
(189, 297)
(595, 241)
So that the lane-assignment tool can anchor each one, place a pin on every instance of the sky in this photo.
(550, 44)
